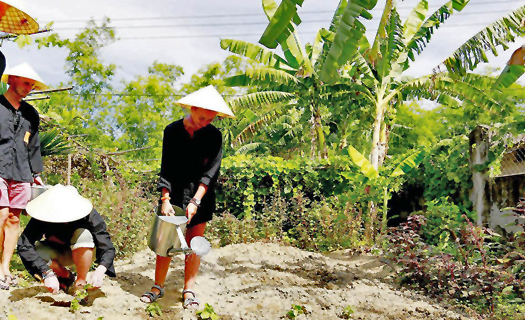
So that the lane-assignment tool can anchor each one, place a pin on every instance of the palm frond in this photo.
(254, 52)
(52, 142)
(261, 76)
(247, 148)
(282, 24)
(349, 31)
(260, 98)
(251, 128)
(416, 41)
(499, 33)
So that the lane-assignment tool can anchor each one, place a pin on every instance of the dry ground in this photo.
(245, 281)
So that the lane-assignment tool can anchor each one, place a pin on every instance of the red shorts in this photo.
(14, 194)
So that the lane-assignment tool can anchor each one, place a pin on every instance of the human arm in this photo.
(34, 264)
(34, 152)
(209, 176)
(191, 208)
(105, 253)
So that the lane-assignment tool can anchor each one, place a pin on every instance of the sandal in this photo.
(11, 281)
(189, 301)
(152, 296)
(4, 285)
(67, 282)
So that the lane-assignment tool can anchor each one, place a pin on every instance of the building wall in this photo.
(505, 193)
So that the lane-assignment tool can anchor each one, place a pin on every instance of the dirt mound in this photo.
(245, 281)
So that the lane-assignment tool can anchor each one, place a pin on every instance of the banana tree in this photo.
(291, 81)
(347, 56)
(368, 173)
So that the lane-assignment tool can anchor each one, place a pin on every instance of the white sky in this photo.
(187, 33)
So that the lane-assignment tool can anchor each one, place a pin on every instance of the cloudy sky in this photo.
(187, 33)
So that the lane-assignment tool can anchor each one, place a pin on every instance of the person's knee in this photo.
(14, 217)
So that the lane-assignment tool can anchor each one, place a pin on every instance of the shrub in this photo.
(471, 274)
(127, 212)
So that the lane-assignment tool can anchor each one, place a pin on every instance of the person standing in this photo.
(21, 161)
(191, 159)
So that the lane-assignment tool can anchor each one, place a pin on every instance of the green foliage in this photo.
(442, 216)
(79, 296)
(126, 208)
(324, 225)
(207, 313)
(246, 182)
(347, 312)
(295, 311)
(53, 142)
(154, 310)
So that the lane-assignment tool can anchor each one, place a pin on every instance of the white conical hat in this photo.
(14, 20)
(207, 98)
(59, 204)
(26, 71)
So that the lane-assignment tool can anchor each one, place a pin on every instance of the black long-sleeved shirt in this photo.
(189, 161)
(36, 229)
(19, 142)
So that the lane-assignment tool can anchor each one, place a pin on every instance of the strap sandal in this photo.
(189, 302)
(150, 297)
(66, 282)
(4, 285)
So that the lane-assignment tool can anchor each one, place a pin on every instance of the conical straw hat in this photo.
(14, 20)
(59, 204)
(26, 71)
(207, 98)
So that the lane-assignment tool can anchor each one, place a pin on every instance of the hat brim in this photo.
(39, 85)
(59, 204)
(16, 21)
(219, 114)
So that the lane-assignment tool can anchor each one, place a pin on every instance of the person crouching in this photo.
(74, 234)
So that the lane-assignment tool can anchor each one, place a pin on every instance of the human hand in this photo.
(52, 284)
(191, 210)
(97, 277)
(167, 209)
(38, 181)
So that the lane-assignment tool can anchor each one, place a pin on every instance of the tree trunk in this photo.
(376, 138)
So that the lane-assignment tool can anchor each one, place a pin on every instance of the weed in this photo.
(207, 313)
(347, 312)
(154, 310)
(79, 296)
(295, 311)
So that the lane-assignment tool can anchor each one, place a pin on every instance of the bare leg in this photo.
(4, 214)
(193, 261)
(11, 231)
(59, 270)
(82, 257)
(161, 271)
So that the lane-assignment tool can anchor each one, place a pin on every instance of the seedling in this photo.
(154, 310)
(347, 312)
(295, 311)
(207, 313)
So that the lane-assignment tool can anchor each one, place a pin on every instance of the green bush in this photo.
(321, 225)
(247, 183)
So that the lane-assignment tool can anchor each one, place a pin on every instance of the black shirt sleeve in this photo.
(165, 164)
(33, 232)
(105, 251)
(35, 156)
(212, 167)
